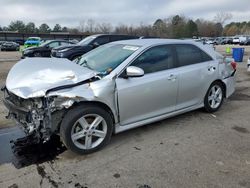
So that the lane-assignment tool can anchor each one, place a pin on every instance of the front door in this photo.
(154, 93)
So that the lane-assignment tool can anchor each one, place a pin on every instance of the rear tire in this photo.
(86, 129)
(214, 97)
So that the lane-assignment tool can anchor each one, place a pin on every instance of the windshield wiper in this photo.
(85, 64)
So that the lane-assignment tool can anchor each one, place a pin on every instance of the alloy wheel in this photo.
(89, 131)
(215, 96)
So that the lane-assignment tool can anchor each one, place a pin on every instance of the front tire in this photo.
(86, 129)
(214, 97)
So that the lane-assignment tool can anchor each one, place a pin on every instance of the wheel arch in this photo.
(98, 104)
(223, 85)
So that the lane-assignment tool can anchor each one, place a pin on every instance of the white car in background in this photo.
(236, 40)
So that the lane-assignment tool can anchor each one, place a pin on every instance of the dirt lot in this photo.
(195, 149)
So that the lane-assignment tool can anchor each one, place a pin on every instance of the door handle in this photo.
(172, 77)
(211, 68)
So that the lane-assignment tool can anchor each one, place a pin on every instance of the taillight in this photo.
(234, 65)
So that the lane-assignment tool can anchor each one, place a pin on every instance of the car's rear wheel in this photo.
(214, 97)
(86, 129)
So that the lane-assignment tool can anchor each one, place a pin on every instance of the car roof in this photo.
(145, 43)
(151, 42)
(98, 35)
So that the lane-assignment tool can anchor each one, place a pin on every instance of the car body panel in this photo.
(137, 96)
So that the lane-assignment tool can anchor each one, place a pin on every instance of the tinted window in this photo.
(188, 54)
(120, 37)
(53, 44)
(65, 43)
(102, 40)
(156, 59)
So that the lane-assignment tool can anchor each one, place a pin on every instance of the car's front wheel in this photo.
(214, 97)
(86, 128)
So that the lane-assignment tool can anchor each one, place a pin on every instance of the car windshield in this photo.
(33, 39)
(86, 40)
(106, 58)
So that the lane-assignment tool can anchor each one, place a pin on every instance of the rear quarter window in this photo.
(188, 54)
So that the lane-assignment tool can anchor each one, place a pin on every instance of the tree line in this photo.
(172, 27)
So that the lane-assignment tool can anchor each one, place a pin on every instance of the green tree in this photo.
(218, 29)
(44, 28)
(57, 28)
(64, 29)
(30, 27)
(178, 26)
(159, 28)
(17, 26)
(191, 29)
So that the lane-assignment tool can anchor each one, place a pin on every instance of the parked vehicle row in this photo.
(44, 50)
(9, 46)
(73, 52)
(115, 87)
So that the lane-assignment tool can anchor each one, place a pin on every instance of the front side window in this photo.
(106, 58)
(156, 59)
(53, 44)
(188, 54)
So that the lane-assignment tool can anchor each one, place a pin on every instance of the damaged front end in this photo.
(33, 114)
(38, 97)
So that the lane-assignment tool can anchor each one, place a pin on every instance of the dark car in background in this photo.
(44, 50)
(10, 46)
(247, 42)
(87, 44)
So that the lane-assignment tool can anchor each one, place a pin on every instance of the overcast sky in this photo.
(71, 12)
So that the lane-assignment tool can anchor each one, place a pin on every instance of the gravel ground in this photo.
(196, 149)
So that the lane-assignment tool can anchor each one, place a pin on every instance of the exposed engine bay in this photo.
(35, 115)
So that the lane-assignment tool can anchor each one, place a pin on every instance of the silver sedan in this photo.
(116, 87)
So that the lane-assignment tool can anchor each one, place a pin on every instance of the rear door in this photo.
(154, 93)
(197, 70)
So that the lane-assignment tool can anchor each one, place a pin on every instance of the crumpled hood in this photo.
(32, 77)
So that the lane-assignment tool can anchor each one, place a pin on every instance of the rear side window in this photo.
(120, 37)
(188, 54)
(156, 59)
(65, 43)
(53, 44)
(102, 40)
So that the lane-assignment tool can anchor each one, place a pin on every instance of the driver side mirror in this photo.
(133, 71)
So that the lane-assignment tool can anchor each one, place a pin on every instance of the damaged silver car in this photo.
(116, 87)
